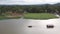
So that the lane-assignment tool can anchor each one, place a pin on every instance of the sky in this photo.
(27, 2)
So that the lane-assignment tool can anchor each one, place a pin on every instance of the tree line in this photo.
(30, 8)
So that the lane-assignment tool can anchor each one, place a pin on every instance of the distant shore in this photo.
(31, 16)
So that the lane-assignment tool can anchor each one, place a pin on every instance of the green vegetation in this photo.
(32, 16)
(4, 17)
(39, 16)
(45, 11)
(46, 8)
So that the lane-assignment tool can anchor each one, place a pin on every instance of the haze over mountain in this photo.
(27, 2)
(57, 4)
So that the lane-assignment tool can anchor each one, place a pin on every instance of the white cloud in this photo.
(22, 2)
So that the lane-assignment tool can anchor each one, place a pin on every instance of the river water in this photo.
(21, 26)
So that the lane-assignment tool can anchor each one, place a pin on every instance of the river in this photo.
(29, 26)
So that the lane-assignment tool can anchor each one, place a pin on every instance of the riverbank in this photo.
(31, 16)
(11, 17)
(39, 16)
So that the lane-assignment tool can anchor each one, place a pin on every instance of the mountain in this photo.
(57, 4)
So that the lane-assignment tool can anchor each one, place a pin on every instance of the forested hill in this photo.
(44, 8)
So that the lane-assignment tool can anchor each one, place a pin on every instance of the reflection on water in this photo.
(20, 26)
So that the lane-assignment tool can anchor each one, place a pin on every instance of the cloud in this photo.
(27, 2)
